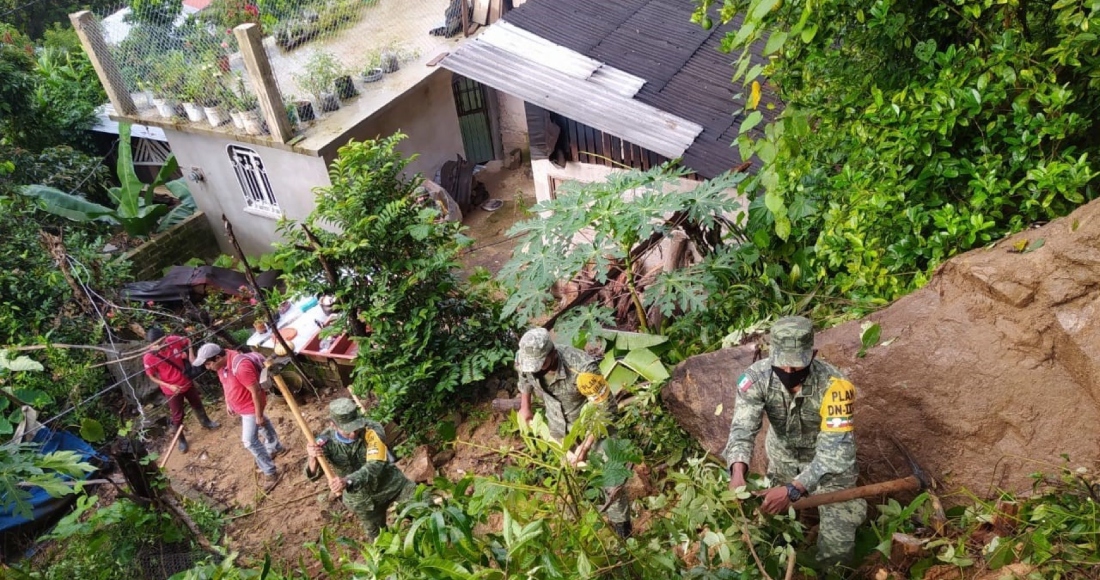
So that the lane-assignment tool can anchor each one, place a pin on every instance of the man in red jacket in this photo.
(239, 374)
(164, 365)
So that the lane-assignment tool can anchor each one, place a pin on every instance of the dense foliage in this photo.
(36, 19)
(913, 130)
(48, 95)
(391, 263)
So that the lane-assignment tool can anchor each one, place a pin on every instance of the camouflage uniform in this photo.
(564, 391)
(809, 441)
(374, 482)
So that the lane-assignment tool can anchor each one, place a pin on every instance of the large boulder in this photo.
(989, 373)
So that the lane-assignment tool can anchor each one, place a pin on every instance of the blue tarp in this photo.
(49, 441)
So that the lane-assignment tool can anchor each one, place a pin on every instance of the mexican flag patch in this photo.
(744, 384)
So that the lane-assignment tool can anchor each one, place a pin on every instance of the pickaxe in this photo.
(918, 481)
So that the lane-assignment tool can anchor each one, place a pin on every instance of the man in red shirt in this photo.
(239, 374)
(164, 365)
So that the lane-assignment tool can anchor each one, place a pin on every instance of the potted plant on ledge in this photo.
(319, 79)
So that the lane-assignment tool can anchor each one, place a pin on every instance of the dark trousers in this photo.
(175, 404)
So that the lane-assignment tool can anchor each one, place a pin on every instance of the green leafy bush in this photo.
(913, 131)
(391, 264)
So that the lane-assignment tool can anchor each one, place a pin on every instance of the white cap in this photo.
(206, 352)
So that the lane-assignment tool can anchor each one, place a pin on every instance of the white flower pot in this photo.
(141, 100)
(238, 121)
(253, 122)
(215, 116)
(165, 107)
(195, 114)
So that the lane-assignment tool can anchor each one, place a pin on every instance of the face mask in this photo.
(343, 439)
(791, 379)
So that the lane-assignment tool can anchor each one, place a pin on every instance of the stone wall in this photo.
(193, 238)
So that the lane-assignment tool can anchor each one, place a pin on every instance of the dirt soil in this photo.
(219, 471)
(987, 374)
(492, 247)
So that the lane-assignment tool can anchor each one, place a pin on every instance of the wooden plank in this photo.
(496, 9)
(481, 12)
(464, 6)
(606, 149)
(258, 70)
(91, 37)
(435, 59)
(573, 140)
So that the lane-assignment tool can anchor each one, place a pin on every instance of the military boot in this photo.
(206, 421)
(182, 445)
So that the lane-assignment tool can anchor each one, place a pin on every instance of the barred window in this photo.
(258, 195)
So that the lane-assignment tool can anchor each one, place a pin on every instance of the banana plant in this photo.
(135, 210)
(633, 356)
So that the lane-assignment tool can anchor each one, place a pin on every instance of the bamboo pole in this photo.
(297, 412)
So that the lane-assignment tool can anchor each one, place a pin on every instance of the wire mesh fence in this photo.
(180, 59)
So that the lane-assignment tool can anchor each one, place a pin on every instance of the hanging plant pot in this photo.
(215, 116)
(373, 75)
(165, 107)
(195, 114)
(304, 111)
(345, 88)
(328, 102)
(253, 122)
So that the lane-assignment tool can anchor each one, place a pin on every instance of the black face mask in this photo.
(792, 379)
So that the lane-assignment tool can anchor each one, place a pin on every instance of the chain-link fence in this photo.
(180, 60)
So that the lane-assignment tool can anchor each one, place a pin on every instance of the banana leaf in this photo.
(184, 210)
(647, 364)
(66, 205)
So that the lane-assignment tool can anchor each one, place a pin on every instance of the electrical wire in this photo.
(140, 372)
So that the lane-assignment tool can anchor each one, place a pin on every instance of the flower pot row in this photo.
(251, 122)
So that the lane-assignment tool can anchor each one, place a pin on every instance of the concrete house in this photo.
(254, 179)
(597, 85)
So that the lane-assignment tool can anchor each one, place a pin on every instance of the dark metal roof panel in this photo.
(686, 74)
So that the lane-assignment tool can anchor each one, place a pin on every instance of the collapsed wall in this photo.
(989, 373)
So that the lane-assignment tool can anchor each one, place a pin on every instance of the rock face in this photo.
(989, 373)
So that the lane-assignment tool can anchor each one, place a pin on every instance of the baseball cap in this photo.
(792, 342)
(345, 413)
(534, 346)
(205, 353)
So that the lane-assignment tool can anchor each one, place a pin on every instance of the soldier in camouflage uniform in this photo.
(354, 447)
(566, 378)
(810, 444)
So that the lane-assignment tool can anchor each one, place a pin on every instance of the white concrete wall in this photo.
(292, 176)
(427, 114)
(544, 171)
(513, 124)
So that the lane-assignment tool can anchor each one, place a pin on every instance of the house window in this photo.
(258, 197)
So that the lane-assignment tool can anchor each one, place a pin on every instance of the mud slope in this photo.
(989, 373)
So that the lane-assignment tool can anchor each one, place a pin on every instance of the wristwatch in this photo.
(793, 493)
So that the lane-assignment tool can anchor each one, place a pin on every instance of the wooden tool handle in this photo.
(171, 447)
(281, 384)
(910, 483)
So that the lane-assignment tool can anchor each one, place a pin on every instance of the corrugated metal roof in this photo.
(518, 65)
(684, 71)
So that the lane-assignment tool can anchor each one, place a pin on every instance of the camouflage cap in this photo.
(792, 342)
(345, 413)
(533, 350)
